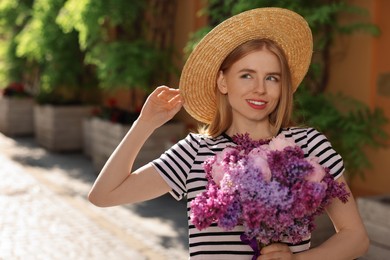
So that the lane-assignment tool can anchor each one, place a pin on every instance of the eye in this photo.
(246, 76)
(273, 78)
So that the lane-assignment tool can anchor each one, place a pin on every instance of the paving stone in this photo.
(45, 213)
(36, 223)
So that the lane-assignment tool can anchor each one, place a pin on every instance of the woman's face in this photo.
(253, 86)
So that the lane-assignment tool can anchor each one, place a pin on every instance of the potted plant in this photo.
(62, 82)
(122, 42)
(109, 124)
(16, 105)
(104, 129)
(16, 102)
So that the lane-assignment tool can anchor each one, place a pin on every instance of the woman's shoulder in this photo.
(202, 140)
(206, 138)
(316, 144)
(196, 138)
(298, 132)
(304, 136)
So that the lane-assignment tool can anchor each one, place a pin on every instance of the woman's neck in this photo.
(257, 130)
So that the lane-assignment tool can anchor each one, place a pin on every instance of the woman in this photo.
(239, 79)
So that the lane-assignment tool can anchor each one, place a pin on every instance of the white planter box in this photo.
(86, 128)
(375, 212)
(16, 116)
(59, 128)
(105, 137)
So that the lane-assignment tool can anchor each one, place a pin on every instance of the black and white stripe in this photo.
(182, 168)
(313, 143)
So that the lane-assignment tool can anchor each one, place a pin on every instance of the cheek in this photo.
(275, 96)
(275, 92)
(232, 88)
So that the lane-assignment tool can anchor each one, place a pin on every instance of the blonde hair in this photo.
(280, 117)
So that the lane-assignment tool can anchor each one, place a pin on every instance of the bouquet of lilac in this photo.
(268, 187)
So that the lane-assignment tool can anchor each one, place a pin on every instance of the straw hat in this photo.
(198, 79)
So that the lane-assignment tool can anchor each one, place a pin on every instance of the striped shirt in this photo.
(182, 168)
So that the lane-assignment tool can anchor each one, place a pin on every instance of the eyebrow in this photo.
(253, 71)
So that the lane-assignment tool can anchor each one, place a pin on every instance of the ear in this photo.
(221, 83)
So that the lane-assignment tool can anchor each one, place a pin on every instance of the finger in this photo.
(274, 248)
(176, 103)
(275, 256)
(168, 92)
(175, 99)
(176, 108)
(275, 251)
(164, 92)
(159, 89)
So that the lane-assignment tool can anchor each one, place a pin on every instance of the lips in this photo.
(257, 104)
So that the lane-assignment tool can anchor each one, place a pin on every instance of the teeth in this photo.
(257, 103)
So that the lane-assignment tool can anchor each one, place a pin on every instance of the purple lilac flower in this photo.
(209, 206)
(232, 216)
(272, 196)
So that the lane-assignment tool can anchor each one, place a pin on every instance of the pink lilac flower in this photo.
(280, 143)
(318, 172)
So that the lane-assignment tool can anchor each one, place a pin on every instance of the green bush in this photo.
(13, 17)
(350, 125)
(57, 53)
(67, 47)
(116, 36)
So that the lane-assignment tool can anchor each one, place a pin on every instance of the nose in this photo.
(259, 86)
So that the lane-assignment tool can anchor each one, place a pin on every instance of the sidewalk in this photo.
(45, 213)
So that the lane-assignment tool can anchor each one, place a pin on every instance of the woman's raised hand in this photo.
(161, 105)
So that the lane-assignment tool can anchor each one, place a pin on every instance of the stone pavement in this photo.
(44, 212)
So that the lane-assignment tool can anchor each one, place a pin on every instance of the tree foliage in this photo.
(13, 17)
(116, 37)
(75, 44)
(59, 60)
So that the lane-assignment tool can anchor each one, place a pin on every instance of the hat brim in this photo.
(286, 28)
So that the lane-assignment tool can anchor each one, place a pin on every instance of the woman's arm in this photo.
(116, 184)
(350, 241)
